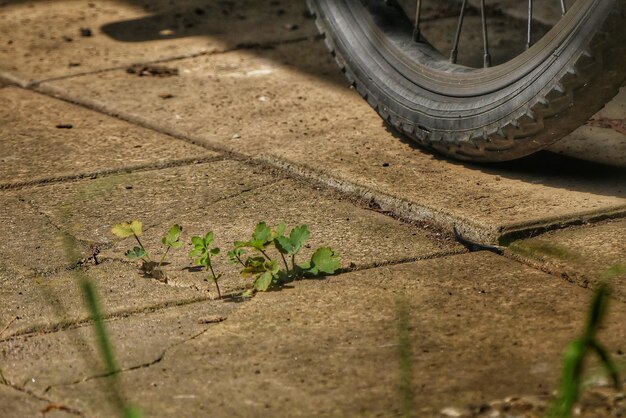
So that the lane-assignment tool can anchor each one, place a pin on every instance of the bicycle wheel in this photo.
(491, 113)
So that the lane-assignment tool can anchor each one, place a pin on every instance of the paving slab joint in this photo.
(523, 231)
(106, 172)
(7, 79)
(389, 205)
(39, 329)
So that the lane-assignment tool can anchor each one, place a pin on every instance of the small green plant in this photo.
(571, 380)
(266, 271)
(202, 253)
(135, 229)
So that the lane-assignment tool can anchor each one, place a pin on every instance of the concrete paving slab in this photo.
(14, 403)
(47, 39)
(45, 139)
(601, 145)
(615, 109)
(229, 198)
(36, 244)
(581, 254)
(603, 138)
(404, 340)
(42, 361)
(306, 122)
(49, 303)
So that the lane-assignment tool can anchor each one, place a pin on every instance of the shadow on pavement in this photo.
(228, 20)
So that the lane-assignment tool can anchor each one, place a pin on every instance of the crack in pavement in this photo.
(144, 365)
(51, 404)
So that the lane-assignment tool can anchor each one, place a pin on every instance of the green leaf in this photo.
(248, 293)
(258, 244)
(305, 265)
(263, 282)
(272, 267)
(325, 260)
(135, 253)
(197, 242)
(283, 245)
(177, 244)
(201, 249)
(136, 226)
(254, 266)
(173, 236)
(255, 261)
(262, 233)
(279, 230)
(122, 230)
(233, 254)
(196, 252)
(209, 238)
(126, 229)
(298, 237)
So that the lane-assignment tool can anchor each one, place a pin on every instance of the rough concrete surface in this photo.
(48, 39)
(316, 126)
(56, 302)
(445, 331)
(582, 254)
(70, 356)
(44, 139)
(14, 403)
(229, 198)
(603, 138)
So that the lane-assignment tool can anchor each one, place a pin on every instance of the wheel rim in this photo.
(391, 33)
(530, 23)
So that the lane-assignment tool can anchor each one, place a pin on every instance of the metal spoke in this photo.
(486, 56)
(455, 48)
(563, 8)
(416, 28)
(529, 37)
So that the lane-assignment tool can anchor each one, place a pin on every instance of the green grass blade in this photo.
(608, 364)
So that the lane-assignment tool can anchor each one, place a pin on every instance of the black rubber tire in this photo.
(494, 114)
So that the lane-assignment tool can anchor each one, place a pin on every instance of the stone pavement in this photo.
(235, 113)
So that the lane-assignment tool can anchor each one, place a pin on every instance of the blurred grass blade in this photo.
(104, 342)
(608, 364)
(571, 379)
(598, 310)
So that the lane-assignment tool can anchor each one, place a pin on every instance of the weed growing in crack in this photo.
(135, 229)
(269, 257)
(266, 271)
(571, 380)
(202, 253)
